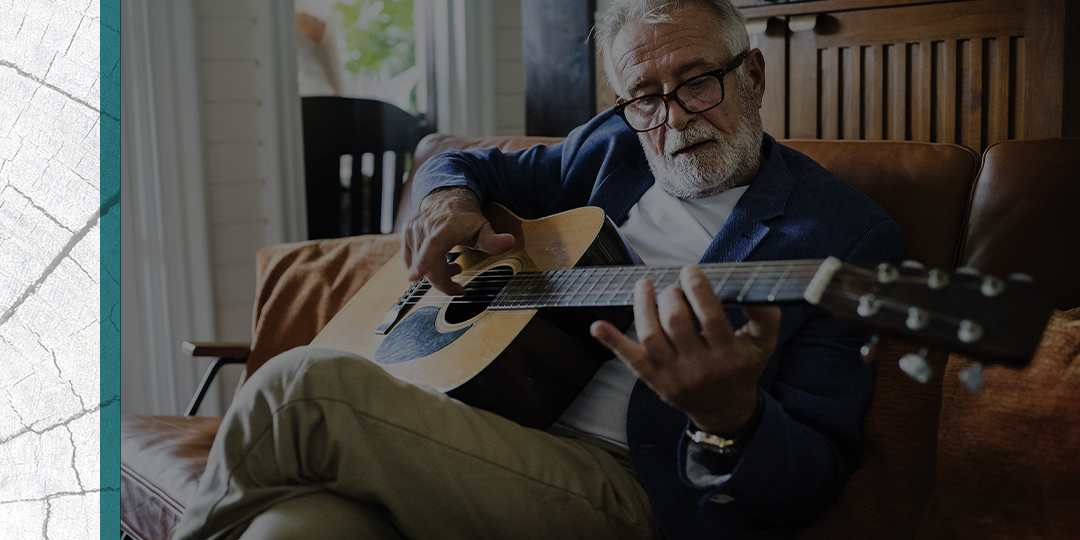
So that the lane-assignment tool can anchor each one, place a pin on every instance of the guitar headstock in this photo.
(988, 318)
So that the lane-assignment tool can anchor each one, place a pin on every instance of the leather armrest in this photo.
(227, 349)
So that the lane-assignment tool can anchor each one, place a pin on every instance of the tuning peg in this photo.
(913, 265)
(887, 273)
(1017, 276)
(915, 365)
(969, 331)
(917, 318)
(937, 279)
(972, 377)
(992, 286)
(868, 306)
(869, 348)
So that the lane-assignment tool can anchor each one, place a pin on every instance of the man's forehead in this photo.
(645, 52)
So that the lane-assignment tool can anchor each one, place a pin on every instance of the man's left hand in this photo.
(704, 367)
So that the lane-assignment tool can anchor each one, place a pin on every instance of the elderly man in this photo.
(712, 422)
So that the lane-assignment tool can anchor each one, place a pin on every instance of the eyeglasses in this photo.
(694, 95)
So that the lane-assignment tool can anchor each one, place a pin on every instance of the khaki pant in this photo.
(322, 444)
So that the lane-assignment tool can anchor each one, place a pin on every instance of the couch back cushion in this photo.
(923, 186)
(1023, 215)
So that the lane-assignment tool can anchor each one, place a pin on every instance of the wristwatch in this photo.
(733, 445)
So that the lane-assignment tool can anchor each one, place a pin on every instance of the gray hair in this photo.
(733, 35)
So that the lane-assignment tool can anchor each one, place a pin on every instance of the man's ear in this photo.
(755, 73)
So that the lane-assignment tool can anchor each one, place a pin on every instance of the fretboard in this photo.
(747, 282)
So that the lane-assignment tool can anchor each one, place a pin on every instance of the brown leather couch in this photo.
(936, 455)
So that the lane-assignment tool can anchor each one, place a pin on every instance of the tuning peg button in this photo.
(913, 265)
(887, 273)
(937, 279)
(972, 377)
(868, 306)
(1017, 276)
(969, 331)
(915, 365)
(917, 319)
(869, 348)
(992, 286)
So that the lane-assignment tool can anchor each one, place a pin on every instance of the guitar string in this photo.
(497, 284)
(551, 279)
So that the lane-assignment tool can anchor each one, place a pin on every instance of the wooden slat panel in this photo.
(773, 45)
(852, 88)
(949, 71)
(950, 118)
(982, 18)
(998, 113)
(803, 87)
(921, 85)
(1019, 94)
(875, 93)
(896, 113)
(829, 100)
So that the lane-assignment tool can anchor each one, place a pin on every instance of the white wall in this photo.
(229, 76)
(509, 69)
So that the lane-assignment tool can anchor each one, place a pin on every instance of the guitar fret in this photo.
(586, 278)
(575, 285)
(566, 279)
(719, 289)
(606, 277)
(779, 283)
(626, 275)
(746, 287)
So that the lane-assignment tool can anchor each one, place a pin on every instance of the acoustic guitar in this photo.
(518, 344)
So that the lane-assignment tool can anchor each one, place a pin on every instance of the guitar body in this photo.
(526, 365)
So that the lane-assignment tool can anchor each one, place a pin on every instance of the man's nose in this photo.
(677, 116)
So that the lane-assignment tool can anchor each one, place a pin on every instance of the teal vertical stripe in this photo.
(110, 268)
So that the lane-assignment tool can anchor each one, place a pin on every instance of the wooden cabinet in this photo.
(971, 72)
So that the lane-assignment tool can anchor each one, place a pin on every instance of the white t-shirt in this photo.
(664, 231)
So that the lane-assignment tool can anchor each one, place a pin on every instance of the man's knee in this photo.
(321, 515)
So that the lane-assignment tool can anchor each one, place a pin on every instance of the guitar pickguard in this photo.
(415, 337)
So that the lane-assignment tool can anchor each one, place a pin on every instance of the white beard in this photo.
(714, 168)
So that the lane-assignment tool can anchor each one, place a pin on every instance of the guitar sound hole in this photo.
(478, 294)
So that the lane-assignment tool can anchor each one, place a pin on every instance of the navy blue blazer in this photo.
(815, 388)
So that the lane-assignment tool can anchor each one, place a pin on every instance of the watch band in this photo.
(728, 446)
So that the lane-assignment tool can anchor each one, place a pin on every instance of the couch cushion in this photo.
(302, 285)
(1023, 215)
(1008, 463)
(162, 460)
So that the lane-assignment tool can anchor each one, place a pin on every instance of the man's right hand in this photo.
(446, 219)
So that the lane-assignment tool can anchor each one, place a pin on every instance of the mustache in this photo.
(693, 134)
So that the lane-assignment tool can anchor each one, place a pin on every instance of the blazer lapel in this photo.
(765, 199)
(619, 190)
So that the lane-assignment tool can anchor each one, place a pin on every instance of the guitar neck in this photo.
(604, 286)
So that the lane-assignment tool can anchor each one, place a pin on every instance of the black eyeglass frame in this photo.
(621, 104)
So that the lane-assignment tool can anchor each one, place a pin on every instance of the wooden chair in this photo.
(339, 126)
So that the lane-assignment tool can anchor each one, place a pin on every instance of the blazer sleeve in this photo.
(809, 439)
(536, 181)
